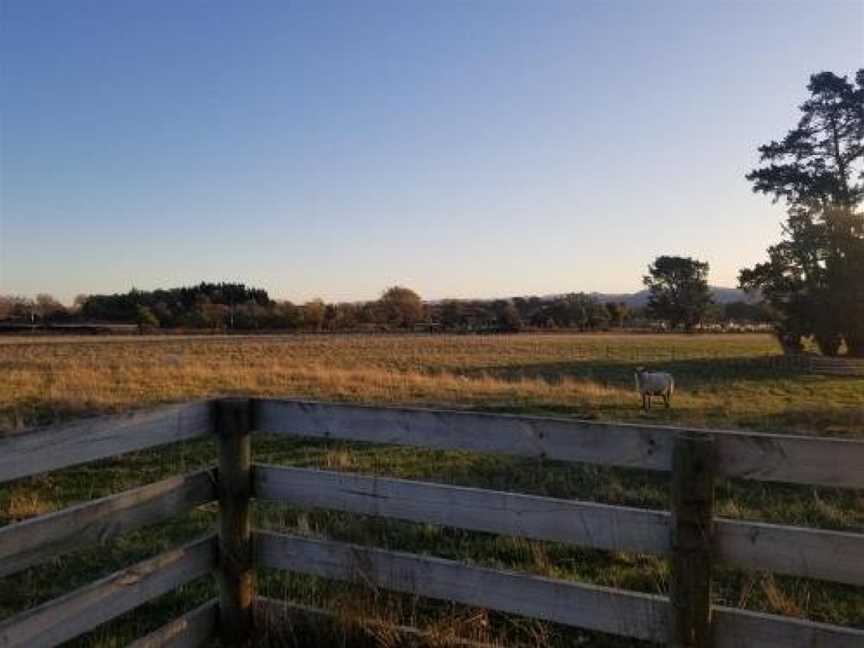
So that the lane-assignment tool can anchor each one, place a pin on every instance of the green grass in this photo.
(724, 381)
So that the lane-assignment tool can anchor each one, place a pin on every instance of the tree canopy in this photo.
(400, 307)
(678, 290)
(813, 277)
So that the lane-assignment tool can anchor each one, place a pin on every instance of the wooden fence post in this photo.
(235, 573)
(692, 527)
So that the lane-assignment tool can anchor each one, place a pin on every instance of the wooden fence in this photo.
(837, 366)
(689, 535)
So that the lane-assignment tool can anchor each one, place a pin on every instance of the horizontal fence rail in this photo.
(628, 614)
(766, 457)
(61, 446)
(548, 438)
(41, 538)
(616, 528)
(620, 612)
(194, 629)
(282, 611)
(793, 459)
(836, 366)
(836, 556)
(690, 527)
(732, 628)
(88, 607)
(830, 555)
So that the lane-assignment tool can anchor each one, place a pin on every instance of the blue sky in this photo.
(465, 149)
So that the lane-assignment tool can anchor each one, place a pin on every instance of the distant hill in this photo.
(638, 299)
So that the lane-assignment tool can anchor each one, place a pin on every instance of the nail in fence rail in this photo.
(233, 423)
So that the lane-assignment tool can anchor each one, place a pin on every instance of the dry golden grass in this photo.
(723, 381)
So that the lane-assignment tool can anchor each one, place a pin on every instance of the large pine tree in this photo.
(814, 278)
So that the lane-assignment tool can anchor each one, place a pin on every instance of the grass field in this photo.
(733, 381)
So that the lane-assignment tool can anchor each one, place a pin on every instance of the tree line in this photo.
(235, 306)
(811, 286)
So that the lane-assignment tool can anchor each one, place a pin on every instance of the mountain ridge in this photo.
(720, 295)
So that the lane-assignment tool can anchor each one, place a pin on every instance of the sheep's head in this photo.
(640, 370)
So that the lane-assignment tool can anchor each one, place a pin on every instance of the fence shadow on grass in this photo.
(693, 377)
(618, 371)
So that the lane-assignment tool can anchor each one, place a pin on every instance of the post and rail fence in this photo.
(690, 535)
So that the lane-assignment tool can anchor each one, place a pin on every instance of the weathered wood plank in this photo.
(286, 612)
(794, 459)
(692, 541)
(767, 457)
(38, 539)
(812, 553)
(236, 568)
(733, 628)
(616, 528)
(560, 439)
(59, 446)
(192, 630)
(92, 605)
(596, 608)
(630, 614)
(836, 556)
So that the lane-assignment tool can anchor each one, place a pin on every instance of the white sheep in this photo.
(654, 383)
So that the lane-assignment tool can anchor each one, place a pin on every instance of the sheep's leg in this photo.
(644, 402)
(666, 400)
(649, 401)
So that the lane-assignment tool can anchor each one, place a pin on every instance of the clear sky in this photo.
(465, 149)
